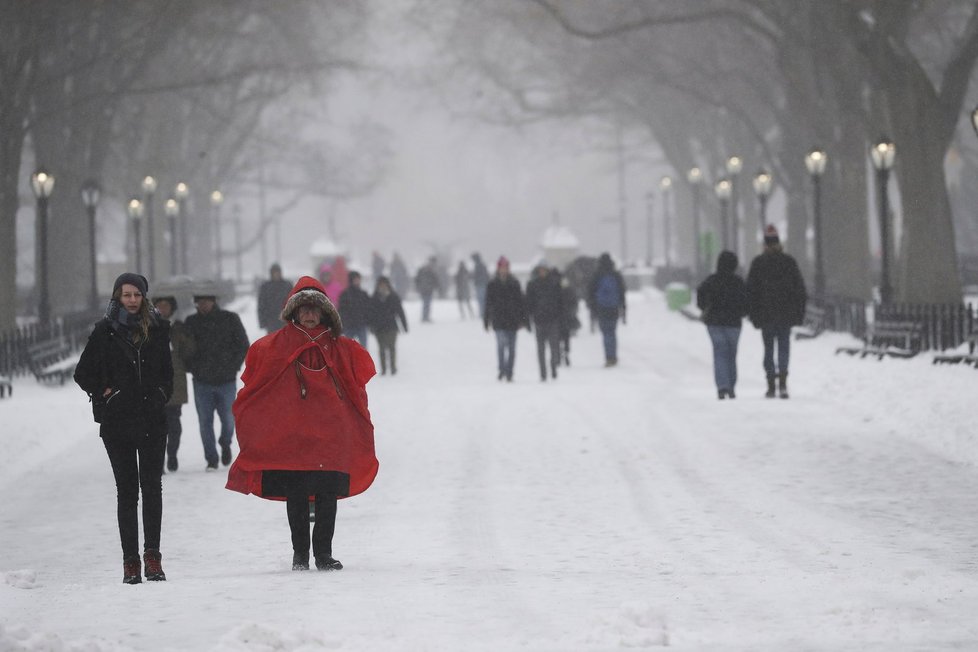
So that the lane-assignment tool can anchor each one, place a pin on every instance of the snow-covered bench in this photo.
(813, 324)
(957, 357)
(897, 339)
(50, 361)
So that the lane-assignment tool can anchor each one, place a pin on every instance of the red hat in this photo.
(771, 235)
(503, 261)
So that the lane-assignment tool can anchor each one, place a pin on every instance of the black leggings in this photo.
(137, 462)
(322, 531)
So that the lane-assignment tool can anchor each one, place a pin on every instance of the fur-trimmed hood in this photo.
(309, 291)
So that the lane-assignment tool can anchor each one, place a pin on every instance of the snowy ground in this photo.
(621, 508)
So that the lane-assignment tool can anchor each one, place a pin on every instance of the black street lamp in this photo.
(90, 193)
(763, 184)
(734, 165)
(217, 198)
(649, 213)
(723, 190)
(135, 210)
(42, 184)
(815, 162)
(695, 179)
(236, 220)
(172, 210)
(149, 187)
(181, 192)
(665, 185)
(883, 154)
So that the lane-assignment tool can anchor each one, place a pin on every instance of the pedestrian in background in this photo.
(544, 304)
(606, 300)
(399, 277)
(480, 281)
(722, 300)
(569, 321)
(127, 372)
(385, 312)
(776, 301)
(354, 308)
(506, 313)
(181, 348)
(426, 282)
(463, 292)
(271, 297)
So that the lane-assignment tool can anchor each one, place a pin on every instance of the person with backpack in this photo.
(722, 298)
(776, 301)
(606, 300)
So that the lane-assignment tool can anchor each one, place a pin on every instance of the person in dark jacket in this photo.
(385, 311)
(427, 283)
(480, 281)
(544, 303)
(506, 313)
(722, 298)
(463, 292)
(606, 300)
(220, 347)
(399, 277)
(776, 302)
(569, 321)
(354, 306)
(181, 348)
(271, 297)
(127, 372)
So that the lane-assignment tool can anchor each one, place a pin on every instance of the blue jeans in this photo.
(358, 333)
(725, 340)
(209, 398)
(608, 325)
(781, 335)
(506, 351)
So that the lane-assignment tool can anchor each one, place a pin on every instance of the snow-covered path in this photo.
(613, 508)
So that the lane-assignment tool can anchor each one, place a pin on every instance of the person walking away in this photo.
(181, 348)
(426, 283)
(220, 346)
(722, 300)
(776, 298)
(385, 312)
(399, 278)
(354, 308)
(127, 372)
(304, 427)
(377, 265)
(506, 313)
(271, 297)
(544, 304)
(463, 293)
(606, 300)
(480, 280)
(569, 322)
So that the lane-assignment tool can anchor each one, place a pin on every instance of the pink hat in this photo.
(502, 262)
(771, 235)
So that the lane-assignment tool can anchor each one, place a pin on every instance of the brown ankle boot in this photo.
(154, 567)
(131, 571)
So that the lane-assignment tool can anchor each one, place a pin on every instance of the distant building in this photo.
(560, 246)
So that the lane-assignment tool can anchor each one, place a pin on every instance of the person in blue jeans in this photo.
(606, 300)
(220, 346)
(506, 313)
(776, 298)
(722, 300)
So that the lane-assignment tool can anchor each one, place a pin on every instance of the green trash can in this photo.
(678, 295)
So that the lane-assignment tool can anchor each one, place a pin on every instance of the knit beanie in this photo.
(771, 235)
(138, 280)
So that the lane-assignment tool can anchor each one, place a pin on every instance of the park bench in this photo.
(813, 324)
(897, 339)
(50, 361)
(6, 386)
(957, 357)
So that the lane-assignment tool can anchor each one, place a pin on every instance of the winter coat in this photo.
(220, 346)
(385, 313)
(544, 300)
(722, 297)
(606, 271)
(139, 375)
(426, 281)
(271, 298)
(354, 307)
(569, 322)
(399, 276)
(480, 274)
(775, 290)
(462, 284)
(505, 305)
(181, 348)
(303, 408)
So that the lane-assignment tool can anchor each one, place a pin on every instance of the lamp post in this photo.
(135, 210)
(172, 209)
(217, 198)
(42, 184)
(734, 165)
(723, 190)
(149, 187)
(236, 221)
(763, 183)
(695, 179)
(882, 155)
(90, 193)
(815, 162)
(665, 185)
(649, 213)
(181, 192)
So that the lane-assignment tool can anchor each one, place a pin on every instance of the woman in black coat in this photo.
(385, 312)
(127, 372)
(722, 298)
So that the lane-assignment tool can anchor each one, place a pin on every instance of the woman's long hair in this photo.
(140, 334)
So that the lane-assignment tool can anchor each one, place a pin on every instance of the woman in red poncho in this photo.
(302, 421)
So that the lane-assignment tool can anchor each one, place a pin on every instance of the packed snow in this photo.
(621, 508)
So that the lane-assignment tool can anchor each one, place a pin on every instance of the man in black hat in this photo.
(271, 298)
(220, 346)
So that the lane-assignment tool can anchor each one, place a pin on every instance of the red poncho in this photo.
(329, 429)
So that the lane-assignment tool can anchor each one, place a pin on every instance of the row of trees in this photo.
(764, 79)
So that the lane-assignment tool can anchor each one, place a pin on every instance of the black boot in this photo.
(327, 563)
(783, 385)
(300, 562)
(131, 571)
(154, 566)
(770, 387)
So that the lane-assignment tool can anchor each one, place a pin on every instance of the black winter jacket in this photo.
(505, 307)
(722, 297)
(354, 306)
(385, 313)
(140, 377)
(544, 300)
(775, 290)
(221, 345)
